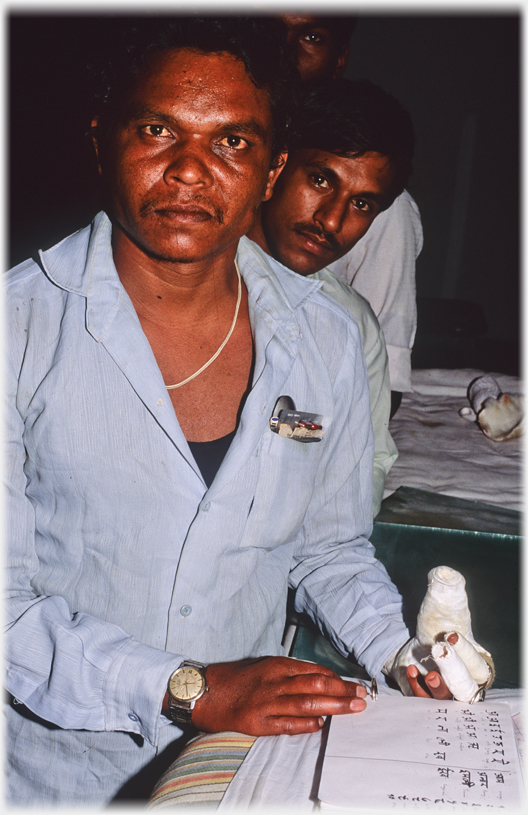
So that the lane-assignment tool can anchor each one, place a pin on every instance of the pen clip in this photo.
(373, 689)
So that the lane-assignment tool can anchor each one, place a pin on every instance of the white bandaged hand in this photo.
(444, 640)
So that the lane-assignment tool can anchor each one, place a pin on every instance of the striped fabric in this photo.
(202, 772)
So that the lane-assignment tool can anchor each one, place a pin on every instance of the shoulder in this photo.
(36, 301)
(22, 276)
(62, 261)
(280, 290)
(296, 308)
(357, 305)
(27, 289)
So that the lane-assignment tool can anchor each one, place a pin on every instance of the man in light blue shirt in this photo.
(146, 590)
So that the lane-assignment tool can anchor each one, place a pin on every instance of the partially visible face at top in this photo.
(188, 162)
(322, 205)
(313, 47)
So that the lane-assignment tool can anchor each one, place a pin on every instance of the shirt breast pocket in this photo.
(288, 475)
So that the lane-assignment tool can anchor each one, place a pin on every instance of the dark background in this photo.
(458, 74)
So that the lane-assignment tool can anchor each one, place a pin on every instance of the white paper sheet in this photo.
(404, 753)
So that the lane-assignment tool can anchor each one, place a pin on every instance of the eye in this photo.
(362, 205)
(312, 38)
(155, 130)
(320, 181)
(234, 142)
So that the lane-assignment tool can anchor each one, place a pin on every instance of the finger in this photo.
(323, 685)
(312, 705)
(437, 686)
(293, 725)
(415, 680)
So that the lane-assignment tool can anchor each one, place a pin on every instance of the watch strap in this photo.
(179, 713)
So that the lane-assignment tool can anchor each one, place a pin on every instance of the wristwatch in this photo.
(186, 685)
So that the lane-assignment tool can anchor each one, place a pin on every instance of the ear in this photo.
(94, 130)
(274, 173)
(342, 62)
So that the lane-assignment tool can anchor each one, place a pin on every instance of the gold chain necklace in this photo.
(193, 376)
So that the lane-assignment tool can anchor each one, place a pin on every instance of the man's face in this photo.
(313, 47)
(322, 205)
(189, 159)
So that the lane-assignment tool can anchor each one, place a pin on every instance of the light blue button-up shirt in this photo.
(121, 561)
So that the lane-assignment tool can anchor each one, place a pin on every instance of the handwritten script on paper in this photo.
(406, 753)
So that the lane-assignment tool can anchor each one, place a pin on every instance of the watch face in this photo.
(186, 684)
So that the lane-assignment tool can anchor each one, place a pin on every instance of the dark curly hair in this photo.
(257, 41)
(351, 118)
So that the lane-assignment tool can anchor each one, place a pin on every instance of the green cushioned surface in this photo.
(408, 505)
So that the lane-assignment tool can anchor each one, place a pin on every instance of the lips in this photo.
(183, 213)
(313, 244)
(178, 211)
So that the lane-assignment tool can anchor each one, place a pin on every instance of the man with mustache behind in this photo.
(350, 153)
(381, 265)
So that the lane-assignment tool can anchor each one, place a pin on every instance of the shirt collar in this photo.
(83, 261)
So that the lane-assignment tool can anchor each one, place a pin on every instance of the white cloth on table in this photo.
(382, 267)
(285, 770)
(441, 452)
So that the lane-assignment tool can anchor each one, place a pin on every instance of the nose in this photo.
(330, 215)
(189, 163)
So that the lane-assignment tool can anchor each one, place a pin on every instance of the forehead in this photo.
(303, 21)
(216, 83)
(372, 171)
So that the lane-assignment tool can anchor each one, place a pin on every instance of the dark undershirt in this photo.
(210, 454)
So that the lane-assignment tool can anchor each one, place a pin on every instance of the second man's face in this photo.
(322, 205)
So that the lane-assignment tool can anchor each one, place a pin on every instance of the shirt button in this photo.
(133, 717)
(185, 611)
(206, 507)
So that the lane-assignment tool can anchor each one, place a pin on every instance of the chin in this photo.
(303, 267)
(182, 251)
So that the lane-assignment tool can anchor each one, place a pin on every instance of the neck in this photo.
(256, 233)
(154, 283)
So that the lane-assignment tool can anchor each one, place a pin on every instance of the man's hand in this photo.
(273, 695)
(430, 686)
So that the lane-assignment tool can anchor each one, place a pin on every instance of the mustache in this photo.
(318, 234)
(151, 205)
